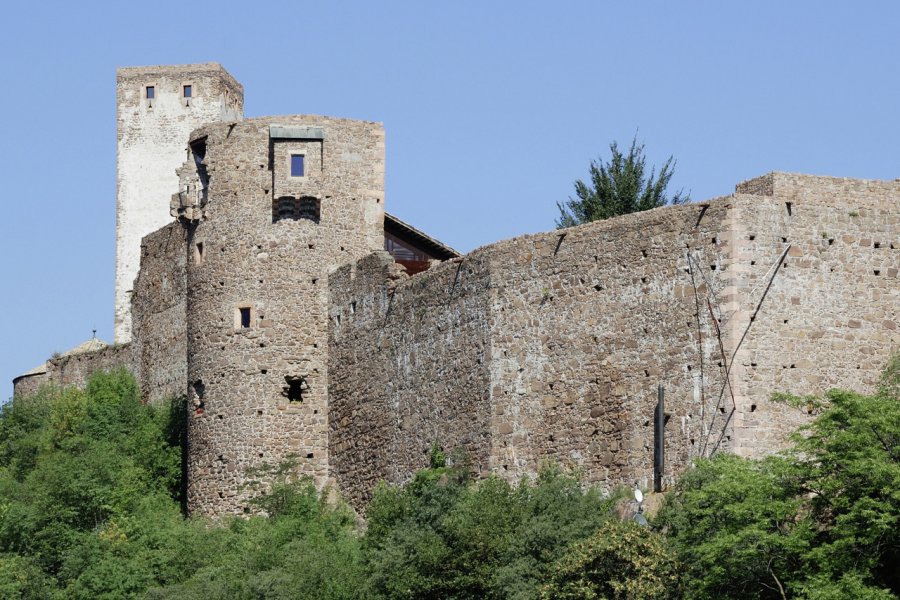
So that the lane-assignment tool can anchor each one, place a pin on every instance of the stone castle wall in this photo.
(722, 302)
(408, 364)
(259, 390)
(828, 312)
(541, 348)
(75, 369)
(159, 313)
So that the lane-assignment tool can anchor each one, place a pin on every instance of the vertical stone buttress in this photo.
(156, 109)
(261, 244)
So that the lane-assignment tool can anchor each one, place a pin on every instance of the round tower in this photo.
(272, 205)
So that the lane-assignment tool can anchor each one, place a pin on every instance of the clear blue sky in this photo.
(492, 110)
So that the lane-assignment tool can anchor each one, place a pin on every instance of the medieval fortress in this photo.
(258, 273)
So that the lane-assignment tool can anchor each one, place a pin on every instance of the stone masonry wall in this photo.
(830, 315)
(788, 285)
(159, 305)
(151, 145)
(587, 323)
(242, 378)
(408, 365)
(541, 348)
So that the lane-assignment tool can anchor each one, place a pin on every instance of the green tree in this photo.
(621, 561)
(619, 186)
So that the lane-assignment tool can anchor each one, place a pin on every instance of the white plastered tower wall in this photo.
(152, 136)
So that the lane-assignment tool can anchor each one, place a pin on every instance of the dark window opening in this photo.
(297, 165)
(151, 92)
(245, 317)
(296, 388)
(199, 389)
(295, 209)
(198, 255)
(308, 208)
(188, 90)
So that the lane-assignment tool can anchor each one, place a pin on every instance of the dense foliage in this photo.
(619, 186)
(90, 508)
(821, 521)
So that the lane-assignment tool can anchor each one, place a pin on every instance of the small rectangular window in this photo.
(151, 92)
(198, 254)
(297, 165)
(188, 89)
(245, 317)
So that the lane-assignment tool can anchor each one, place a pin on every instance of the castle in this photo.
(258, 273)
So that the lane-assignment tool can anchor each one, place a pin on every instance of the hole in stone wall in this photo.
(752, 408)
(198, 390)
(788, 206)
(353, 308)
(714, 241)
(264, 371)
(259, 413)
(712, 267)
(793, 366)
(752, 262)
(245, 317)
(830, 241)
(198, 253)
(310, 455)
(877, 271)
(644, 253)
(751, 237)
(878, 244)
(598, 287)
(784, 240)
(295, 389)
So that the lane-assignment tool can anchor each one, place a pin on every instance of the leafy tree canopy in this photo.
(619, 186)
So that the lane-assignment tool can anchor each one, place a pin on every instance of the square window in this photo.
(188, 90)
(151, 92)
(297, 165)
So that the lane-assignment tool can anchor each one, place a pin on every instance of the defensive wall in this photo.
(550, 347)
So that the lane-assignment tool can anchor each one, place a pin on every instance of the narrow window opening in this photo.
(198, 390)
(150, 92)
(245, 317)
(788, 206)
(353, 308)
(187, 91)
(198, 254)
(297, 166)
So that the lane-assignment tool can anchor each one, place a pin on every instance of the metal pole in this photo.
(659, 440)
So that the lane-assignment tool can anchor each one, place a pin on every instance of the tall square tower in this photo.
(156, 110)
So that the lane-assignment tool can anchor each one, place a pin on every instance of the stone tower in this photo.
(156, 109)
(271, 206)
